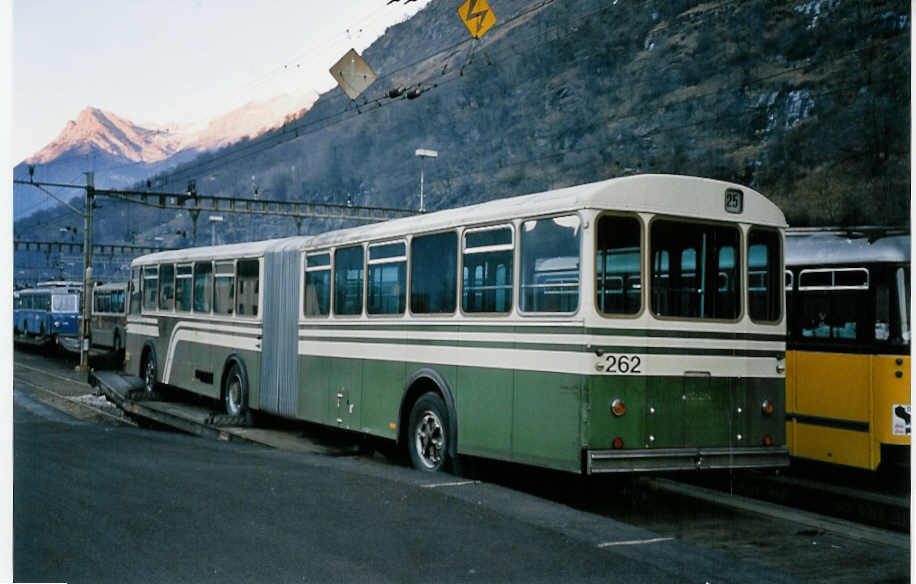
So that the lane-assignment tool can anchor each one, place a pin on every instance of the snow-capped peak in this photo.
(95, 130)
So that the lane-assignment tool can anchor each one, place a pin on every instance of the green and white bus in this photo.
(606, 327)
(109, 316)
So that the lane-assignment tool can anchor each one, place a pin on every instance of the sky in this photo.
(170, 61)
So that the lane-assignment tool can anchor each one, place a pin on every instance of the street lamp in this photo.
(424, 154)
(214, 219)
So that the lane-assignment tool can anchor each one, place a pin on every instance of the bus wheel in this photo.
(149, 372)
(235, 391)
(428, 433)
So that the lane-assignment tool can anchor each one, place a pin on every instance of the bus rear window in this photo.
(549, 269)
(694, 270)
(763, 292)
(65, 303)
(618, 286)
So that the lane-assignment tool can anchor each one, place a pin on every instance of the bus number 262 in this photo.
(626, 364)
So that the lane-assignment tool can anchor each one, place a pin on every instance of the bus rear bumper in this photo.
(671, 459)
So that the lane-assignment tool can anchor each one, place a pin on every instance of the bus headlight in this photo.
(56, 324)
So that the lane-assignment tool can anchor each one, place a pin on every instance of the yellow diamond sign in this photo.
(477, 16)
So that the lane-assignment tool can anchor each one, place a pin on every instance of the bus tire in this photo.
(427, 434)
(148, 370)
(235, 391)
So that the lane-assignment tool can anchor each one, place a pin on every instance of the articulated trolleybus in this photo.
(606, 327)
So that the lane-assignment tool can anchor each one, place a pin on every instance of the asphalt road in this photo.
(101, 503)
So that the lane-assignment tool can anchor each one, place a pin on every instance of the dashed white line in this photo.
(634, 542)
(452, 484)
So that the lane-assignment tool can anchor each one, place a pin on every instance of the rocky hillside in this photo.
(805, 100)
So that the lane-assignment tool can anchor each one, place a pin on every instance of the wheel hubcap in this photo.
(234, 396)
(150, 377)
(428, 439)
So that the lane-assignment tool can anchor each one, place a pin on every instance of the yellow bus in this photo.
(847, 363)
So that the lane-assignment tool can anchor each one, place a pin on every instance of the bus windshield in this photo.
(65, 303)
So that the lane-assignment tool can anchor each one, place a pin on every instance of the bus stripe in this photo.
(579, 363)
(547, 347)
(517, 327)
(839, 424)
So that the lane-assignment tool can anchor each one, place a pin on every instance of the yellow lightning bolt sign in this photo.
(477, 16)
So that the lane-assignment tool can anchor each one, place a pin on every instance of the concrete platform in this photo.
(127, 392)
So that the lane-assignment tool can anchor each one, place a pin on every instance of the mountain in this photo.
(121, 152)
(95, 132)
(807, 101)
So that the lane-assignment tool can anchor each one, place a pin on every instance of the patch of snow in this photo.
(816, 9)
(799, 106)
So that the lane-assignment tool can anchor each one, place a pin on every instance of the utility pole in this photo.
(87, 276)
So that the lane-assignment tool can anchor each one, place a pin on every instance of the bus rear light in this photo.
(766, 407)
(618, 443)
(618, 408)
(767, 440)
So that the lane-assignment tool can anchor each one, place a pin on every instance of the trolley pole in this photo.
(87, 274)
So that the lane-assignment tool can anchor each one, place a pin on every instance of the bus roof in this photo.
(682, 196)
(110, 286)
(836, 247)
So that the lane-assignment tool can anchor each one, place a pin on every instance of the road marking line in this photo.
(452, 484)
(634, 542)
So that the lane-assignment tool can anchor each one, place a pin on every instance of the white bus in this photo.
(606, 327)
(109, 317)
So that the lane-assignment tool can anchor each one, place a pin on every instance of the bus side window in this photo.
(348, 280)
(317, 294)
(224, 288)
(434, 273)
(135, 291)
(247, 298)
(488, 258)
(183, 288)
(549, 266)
(203, 286)
(117, 302)
(166, 286)
(150, 287)
(387, 279)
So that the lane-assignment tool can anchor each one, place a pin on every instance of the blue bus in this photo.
(47, 314)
